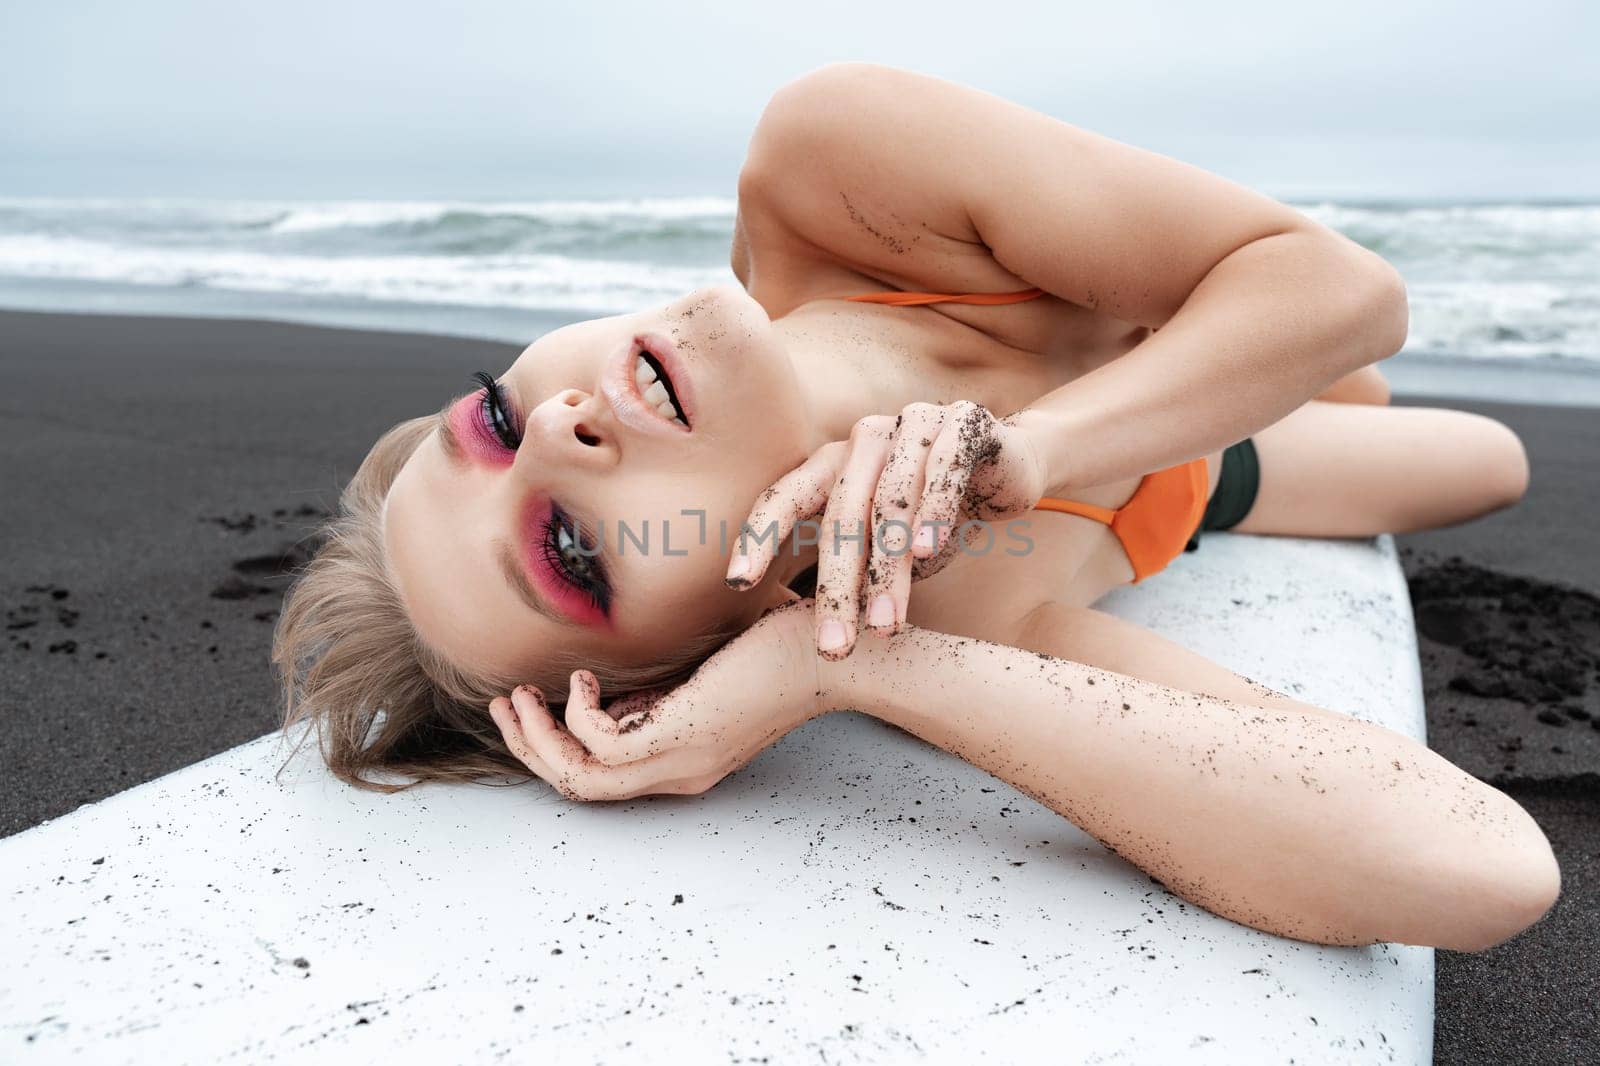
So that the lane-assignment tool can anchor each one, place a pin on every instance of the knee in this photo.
(1502, 471)
(1371, 387)
(1378, 389)
(1364, 386)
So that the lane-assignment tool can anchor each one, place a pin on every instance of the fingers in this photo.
(612, 737)
(564, 761)
(842, 545)
(891, 498)
(562, 753)
(536, 739)
(894, 508)
(505, 716)
(800, 493)
(949, 467)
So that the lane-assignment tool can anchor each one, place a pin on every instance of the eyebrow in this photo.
(517, 578)
(504, 553)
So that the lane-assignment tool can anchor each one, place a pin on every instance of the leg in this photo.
(1348, 470)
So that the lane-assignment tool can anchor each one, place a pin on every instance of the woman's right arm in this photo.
(1276, 814)
(1284, 817)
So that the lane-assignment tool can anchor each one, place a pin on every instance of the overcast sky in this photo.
(365, 99)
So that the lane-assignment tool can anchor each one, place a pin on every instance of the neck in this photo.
(840, 354)
(841, 357)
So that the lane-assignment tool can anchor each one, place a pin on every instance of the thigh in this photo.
(1348, 470)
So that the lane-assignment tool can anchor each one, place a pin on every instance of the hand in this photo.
(755, 689)
(910, 480)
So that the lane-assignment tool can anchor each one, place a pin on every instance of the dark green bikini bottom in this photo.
(1236, 490)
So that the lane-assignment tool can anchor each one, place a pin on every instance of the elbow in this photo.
(1364, 295)
(1382, 308)
(1514, 901)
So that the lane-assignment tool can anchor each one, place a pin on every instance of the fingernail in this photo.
(881, 613)
(925, 536)
(831, 636)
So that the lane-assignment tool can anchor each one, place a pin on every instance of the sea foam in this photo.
(1493, 280)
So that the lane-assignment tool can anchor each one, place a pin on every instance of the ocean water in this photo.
(1508, 283)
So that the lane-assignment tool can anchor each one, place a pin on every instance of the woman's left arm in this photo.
(1258, 307)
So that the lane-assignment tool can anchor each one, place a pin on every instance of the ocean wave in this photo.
(653, 236)
(1501, 319)
(1542, 218)
(672, 230)
(368, 215)
(1496, 280)
(527, 282)
(1465, 238)
(1491, 280)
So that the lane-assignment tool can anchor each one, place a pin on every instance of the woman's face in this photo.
(491, 526)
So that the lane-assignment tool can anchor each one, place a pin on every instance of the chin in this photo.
(723, 328)
(749, 418)
(724, 307)
(736, 295)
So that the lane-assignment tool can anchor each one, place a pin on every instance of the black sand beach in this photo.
(1508, 625)
(160, 474)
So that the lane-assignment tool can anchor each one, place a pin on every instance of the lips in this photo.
(620, 385)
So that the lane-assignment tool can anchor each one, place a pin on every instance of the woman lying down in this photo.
(982, 367)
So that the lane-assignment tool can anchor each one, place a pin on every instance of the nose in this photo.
(572, 428)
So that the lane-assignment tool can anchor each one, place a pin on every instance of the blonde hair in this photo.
(348, 655)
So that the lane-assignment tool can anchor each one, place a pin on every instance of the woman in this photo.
(566, 528)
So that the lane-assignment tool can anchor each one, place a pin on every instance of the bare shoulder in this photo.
(906, 177)
(820, 184)
(821, 136)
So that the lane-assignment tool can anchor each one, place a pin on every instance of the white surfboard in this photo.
(853, 895)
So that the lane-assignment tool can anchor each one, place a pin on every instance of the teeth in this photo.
(654, 392)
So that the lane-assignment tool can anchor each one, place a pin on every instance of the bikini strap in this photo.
(1103, 515)
(913, 299)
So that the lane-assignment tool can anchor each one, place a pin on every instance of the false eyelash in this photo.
(494, 402)
(599, 591)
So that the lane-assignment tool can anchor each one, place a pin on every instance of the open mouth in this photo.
(655, 385)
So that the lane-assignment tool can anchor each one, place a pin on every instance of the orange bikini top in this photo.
(1155, 524)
